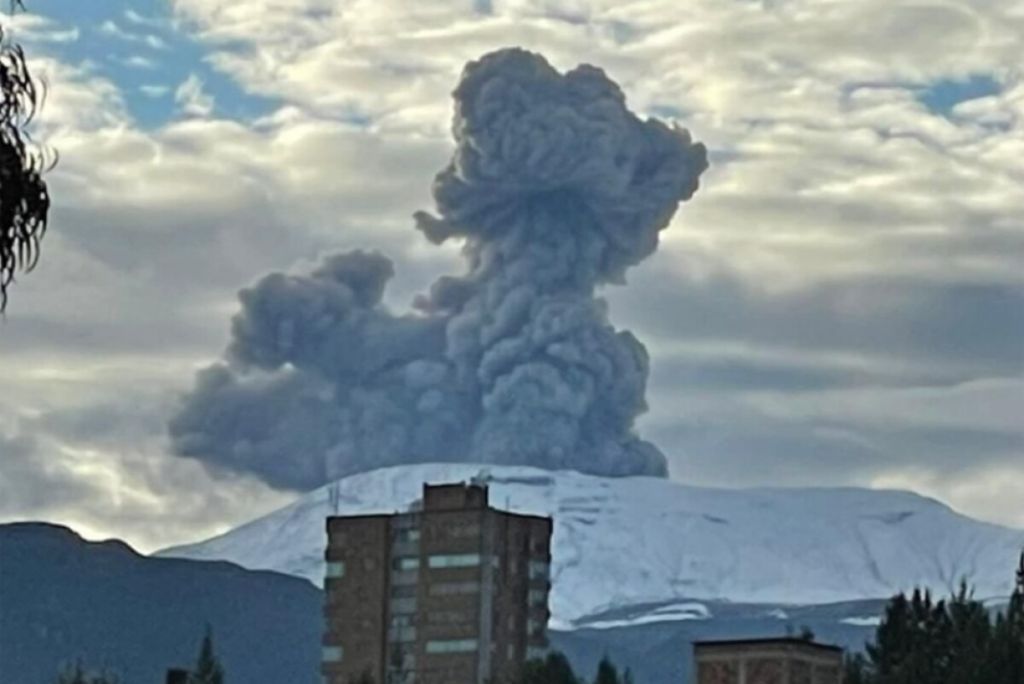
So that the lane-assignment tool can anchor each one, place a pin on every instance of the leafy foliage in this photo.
(954, 641)
(24, 199)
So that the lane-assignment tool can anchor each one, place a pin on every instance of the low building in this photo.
(450, 592)
(767, 661)
(177, 676)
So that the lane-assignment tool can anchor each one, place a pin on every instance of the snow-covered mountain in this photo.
(625, 543)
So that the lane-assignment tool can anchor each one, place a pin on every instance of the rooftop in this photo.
(775, 641)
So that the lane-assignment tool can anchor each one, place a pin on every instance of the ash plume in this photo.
(554, 188)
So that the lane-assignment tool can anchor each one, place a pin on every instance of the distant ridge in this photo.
(63, 598)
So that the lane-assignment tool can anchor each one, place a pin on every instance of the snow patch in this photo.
(624, 542)
(670, 613)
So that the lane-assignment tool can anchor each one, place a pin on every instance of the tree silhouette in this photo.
(954, 641)
(24, 199)
(607, 673)
(554, 669)
(1020, 574)
(208, 669)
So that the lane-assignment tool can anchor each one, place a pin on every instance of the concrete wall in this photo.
(354, 611)
(767, 662)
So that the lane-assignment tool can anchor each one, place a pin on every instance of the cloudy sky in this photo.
(842, 303)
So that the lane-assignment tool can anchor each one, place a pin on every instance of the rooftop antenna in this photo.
(334, 497)
(482, 477)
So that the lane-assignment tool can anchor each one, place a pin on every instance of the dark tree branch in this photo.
(24, 199)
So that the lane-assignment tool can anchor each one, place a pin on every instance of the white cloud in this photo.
(77, 99)
(111, 28)
(133, 490)
(985, 404)
(143, 20)
(192, 99)
(140, 62)
(988, 493)
(154, 91)
(33, 28)
(825, 169)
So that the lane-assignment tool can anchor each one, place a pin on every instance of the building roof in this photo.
(771, 641)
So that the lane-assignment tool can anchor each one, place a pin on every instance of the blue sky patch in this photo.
(943, 95)
(138, 46)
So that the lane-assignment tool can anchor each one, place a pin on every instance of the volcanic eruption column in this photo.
(554, 188)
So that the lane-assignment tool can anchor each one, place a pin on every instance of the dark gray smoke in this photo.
(554, 188)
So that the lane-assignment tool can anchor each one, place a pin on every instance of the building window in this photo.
(457, 560)
(333, 654)
(403, 591)
(451, 617)
(467, 531)
(403, 606)
(452, 646)
(401, 620)
(411, 534)
(406, 563)
(535, 653)
(451, 588)
(402, 634)
(539, 570)
(537, 598)
(335, 569)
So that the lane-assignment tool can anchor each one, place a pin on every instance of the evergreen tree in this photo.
(208, 669)
(554, 669)
(912, 644)
(920, 641)
(1006, 652)
(607, 673)
(969, 640)
(856, 670)
(889, 649)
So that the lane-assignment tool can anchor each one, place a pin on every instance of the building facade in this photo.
(451, 592)
(767, 661)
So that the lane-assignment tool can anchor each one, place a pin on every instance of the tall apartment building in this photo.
(767, 661)
(450, 592)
